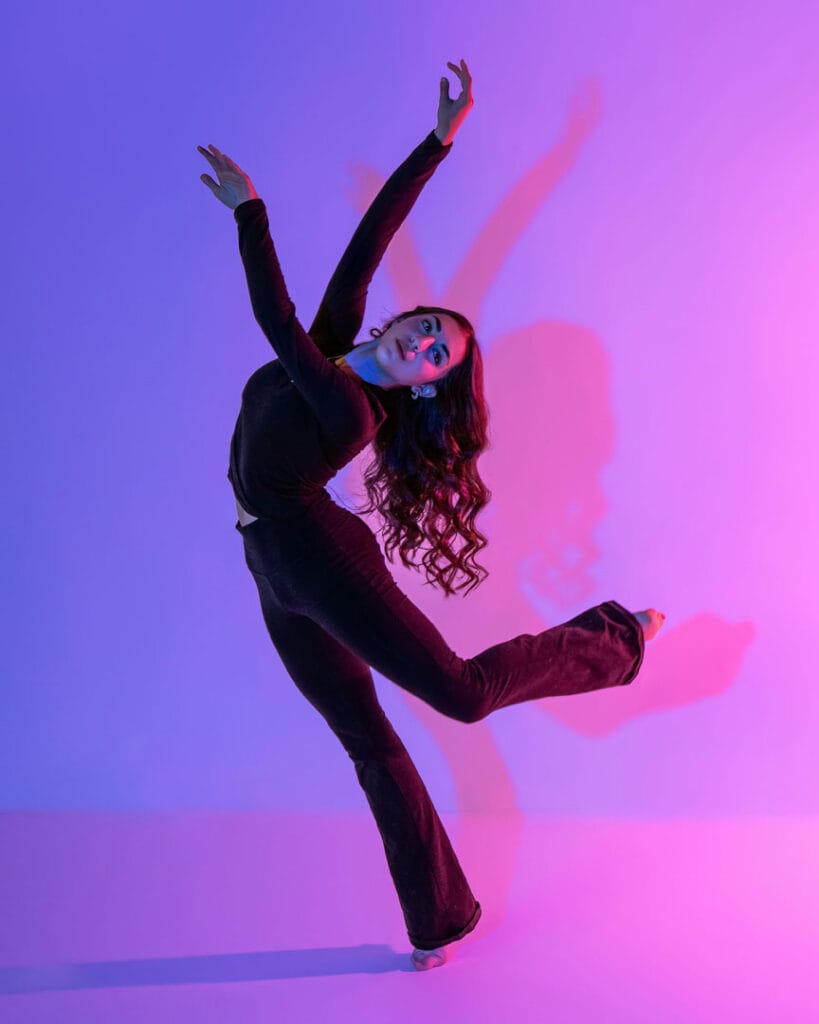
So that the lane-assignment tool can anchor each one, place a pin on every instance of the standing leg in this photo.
(435, 897)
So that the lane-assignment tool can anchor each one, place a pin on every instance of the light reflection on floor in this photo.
(263, 917)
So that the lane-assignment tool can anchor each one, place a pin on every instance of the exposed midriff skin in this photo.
(244, 516)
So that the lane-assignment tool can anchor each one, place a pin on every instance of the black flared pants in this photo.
(333, 610)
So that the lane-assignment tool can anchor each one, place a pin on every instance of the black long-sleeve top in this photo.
(302, 416)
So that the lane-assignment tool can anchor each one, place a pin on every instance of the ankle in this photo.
(426, 959)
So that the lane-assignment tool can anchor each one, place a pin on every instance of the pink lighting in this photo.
(629, 218)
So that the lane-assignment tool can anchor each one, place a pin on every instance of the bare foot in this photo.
(426, 959)
(651, 620)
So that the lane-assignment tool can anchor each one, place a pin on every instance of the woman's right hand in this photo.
(234, 186)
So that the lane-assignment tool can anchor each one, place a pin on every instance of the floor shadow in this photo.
(204, 970)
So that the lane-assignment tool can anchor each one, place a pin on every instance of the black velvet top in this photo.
(302, 416)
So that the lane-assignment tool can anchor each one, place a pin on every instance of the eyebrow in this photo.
(443, 345)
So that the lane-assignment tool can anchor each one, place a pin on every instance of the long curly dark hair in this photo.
(423, 479)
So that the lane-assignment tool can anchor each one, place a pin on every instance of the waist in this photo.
(281, 508)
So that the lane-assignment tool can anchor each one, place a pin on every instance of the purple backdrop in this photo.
(630, 218)
(629, 215)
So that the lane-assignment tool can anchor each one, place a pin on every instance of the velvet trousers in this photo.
(334, 612)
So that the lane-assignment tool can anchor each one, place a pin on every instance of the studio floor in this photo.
(239, 918)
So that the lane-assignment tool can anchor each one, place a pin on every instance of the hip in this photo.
(323, 537)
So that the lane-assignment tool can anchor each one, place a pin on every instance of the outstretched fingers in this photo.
(214, 158)
(219, 165)
(464, 77)
(220, 161)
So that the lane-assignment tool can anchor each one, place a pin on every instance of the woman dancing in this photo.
(330, 605)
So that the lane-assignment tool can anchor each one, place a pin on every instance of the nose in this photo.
(420, 344)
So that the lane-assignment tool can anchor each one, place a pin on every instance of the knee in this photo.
(466, 694)
(460, 698)
(468, 709)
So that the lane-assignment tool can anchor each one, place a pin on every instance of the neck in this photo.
(361, 361)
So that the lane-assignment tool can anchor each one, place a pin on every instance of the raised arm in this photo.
(333, 395)
(335, 399)
(273, 308)
(341, 312)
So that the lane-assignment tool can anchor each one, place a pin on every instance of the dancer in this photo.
(329, 602)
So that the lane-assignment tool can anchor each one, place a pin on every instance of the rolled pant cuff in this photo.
(420, 943)
(636, 637)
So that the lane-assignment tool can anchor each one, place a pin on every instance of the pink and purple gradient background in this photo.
(630, 218)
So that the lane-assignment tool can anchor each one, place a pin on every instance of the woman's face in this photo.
(420, 349)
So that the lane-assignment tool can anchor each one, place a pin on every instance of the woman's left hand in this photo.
(451, 113)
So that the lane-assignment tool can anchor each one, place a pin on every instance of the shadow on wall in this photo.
(540, 523)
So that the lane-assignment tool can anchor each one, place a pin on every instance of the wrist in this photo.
(445, 138)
